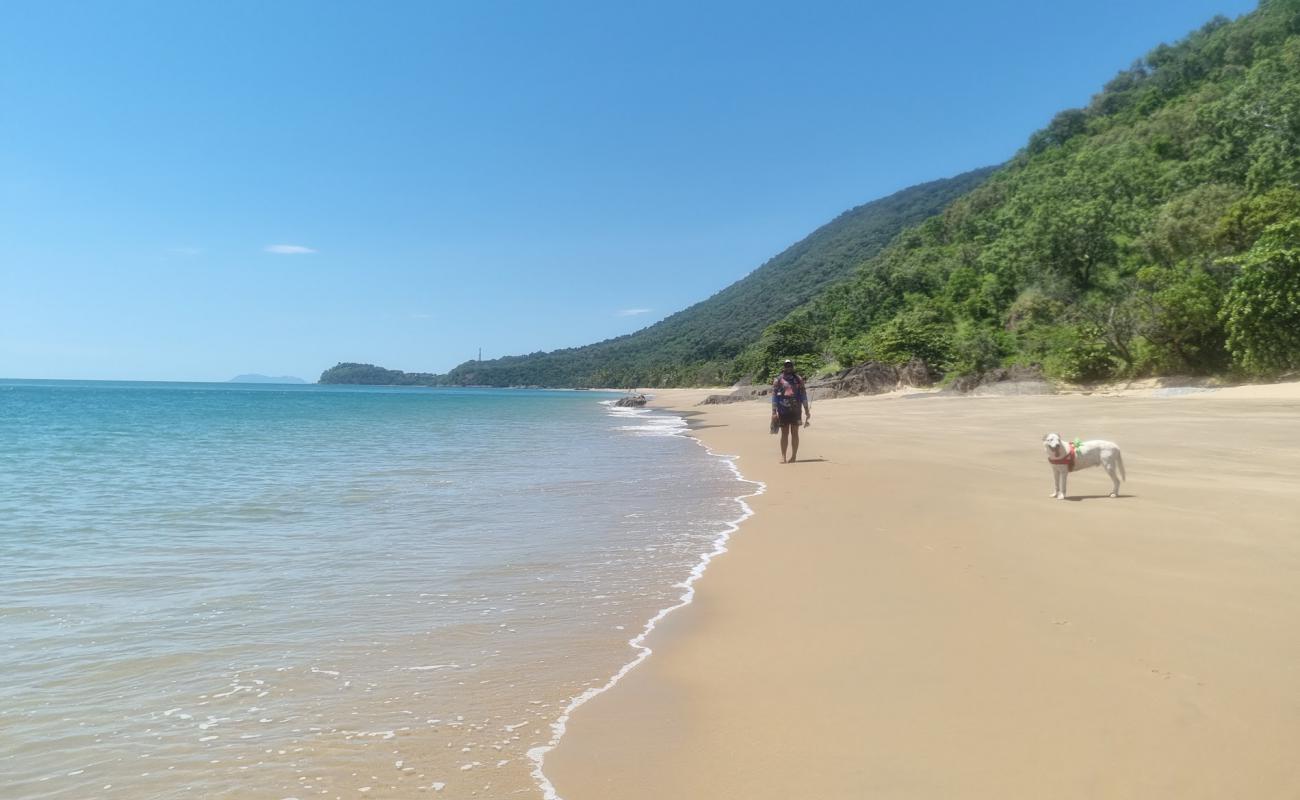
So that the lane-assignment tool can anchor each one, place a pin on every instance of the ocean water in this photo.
(239, 591)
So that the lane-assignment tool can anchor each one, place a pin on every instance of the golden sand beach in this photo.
(909, 615)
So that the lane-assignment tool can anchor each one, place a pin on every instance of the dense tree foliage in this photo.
(1152, 232)
(349, 372)
(1262, 312)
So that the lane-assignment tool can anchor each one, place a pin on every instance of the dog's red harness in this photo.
(1067, 459)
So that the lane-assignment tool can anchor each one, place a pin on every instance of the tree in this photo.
(919, 332)
(1179, 318)
(1262, 312)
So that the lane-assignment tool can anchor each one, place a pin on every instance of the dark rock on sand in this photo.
(874, 377)
(871, 377)
(631, 401)
(1004, 381)
(723, 399)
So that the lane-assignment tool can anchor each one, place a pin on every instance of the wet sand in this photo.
(909, 615)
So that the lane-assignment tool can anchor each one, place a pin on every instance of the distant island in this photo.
(254, 378)
(370, 375)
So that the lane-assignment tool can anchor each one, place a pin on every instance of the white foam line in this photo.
(538, 754)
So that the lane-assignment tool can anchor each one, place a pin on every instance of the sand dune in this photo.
(908, 614)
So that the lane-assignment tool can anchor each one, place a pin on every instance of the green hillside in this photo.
(1156, 231)
(370, 375)
(699, 344)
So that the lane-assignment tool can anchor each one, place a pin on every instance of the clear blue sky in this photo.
(511, 176)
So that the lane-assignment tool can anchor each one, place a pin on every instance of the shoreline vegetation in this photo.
(1154, 232)
(907, 613)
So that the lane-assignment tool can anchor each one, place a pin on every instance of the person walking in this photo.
(789, 398)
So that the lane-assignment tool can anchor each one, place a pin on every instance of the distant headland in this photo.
(371, 375)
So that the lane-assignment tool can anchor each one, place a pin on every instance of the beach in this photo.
(908, 614)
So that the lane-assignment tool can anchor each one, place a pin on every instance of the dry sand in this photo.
(908, 614)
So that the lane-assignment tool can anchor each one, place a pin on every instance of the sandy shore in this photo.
(908, 614)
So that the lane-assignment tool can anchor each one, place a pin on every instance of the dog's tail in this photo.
(1119, 462)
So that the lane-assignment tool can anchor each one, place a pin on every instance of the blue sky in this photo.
(193, 190)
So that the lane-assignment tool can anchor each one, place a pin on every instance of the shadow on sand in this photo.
(1078, 497)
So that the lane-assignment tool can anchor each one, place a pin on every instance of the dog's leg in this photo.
(1065, 474)
(1109, 464)
(1056, 483)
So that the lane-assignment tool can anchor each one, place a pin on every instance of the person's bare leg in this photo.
(794, 441)
(785, 438)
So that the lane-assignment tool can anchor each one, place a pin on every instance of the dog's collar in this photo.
(1067, 459)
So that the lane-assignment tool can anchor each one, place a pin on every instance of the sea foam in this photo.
(660, 424)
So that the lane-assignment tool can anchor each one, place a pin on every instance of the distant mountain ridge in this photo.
(255, 378)
(698, 345)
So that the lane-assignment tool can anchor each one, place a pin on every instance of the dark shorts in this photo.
(788, 416)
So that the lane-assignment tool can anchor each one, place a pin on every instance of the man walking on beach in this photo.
(788, 398)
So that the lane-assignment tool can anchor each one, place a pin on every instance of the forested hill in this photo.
(699, 344)
(1155, 231)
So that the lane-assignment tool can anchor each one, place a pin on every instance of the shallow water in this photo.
(214, 590)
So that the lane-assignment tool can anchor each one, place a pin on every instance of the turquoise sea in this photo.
(252, 591)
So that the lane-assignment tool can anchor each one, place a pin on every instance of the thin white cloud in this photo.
(288, 249)
(632, 312)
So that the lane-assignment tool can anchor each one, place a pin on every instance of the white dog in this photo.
(1066, 457)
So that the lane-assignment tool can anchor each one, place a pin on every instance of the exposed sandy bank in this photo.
(908, 615)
